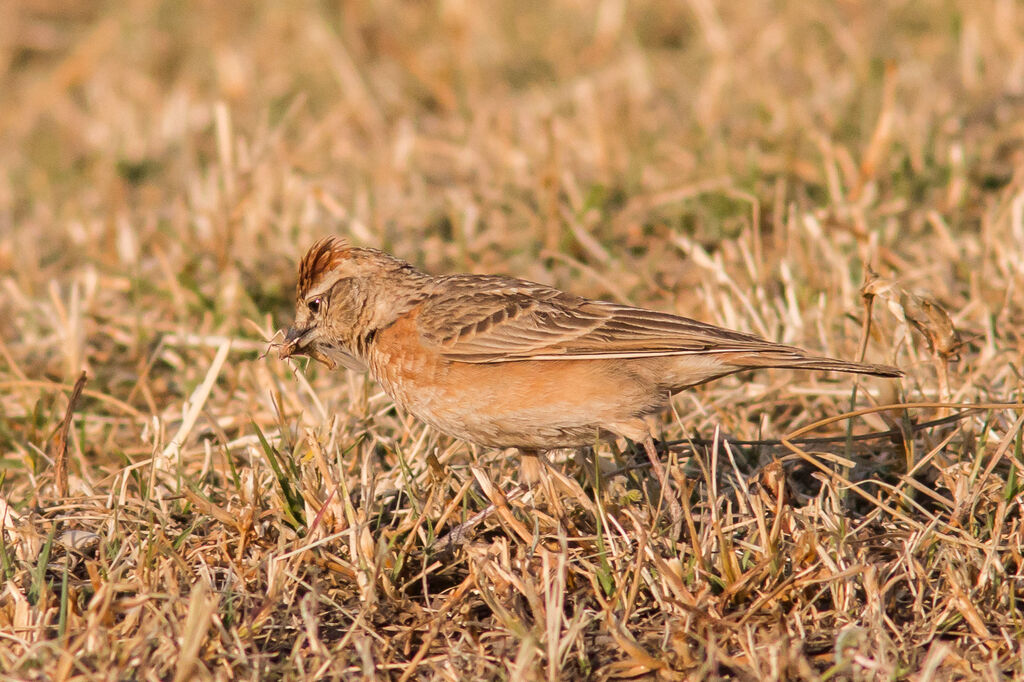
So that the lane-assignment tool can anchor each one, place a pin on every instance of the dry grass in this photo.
(209, 512)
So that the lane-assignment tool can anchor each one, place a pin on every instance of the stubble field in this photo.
(847, 177)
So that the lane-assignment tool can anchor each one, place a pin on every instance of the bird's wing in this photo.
(480, 319)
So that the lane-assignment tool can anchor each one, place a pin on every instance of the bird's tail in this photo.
(791, 360)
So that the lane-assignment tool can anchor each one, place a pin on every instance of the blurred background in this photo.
(185, 154)
(163, 165)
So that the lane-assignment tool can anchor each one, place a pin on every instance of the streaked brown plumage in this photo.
(504, 362)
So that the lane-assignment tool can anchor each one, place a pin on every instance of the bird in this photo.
(507, 363)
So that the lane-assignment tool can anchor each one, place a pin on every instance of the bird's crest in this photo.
(320, 258)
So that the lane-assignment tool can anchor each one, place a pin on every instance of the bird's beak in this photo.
(293, 345)
(292, 342)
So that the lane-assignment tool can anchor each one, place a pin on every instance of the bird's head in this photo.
(344, 295)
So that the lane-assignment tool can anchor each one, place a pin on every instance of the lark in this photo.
(507, 363)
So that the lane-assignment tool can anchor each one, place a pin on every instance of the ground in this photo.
(842, 176)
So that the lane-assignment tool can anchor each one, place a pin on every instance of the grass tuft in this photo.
(842, 176)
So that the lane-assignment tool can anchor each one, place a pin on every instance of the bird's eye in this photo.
(314, 305)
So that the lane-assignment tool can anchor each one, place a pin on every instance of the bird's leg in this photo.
(530, 468)
(675, 510)
(652, 454)
(533, 469)
(638, 431)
